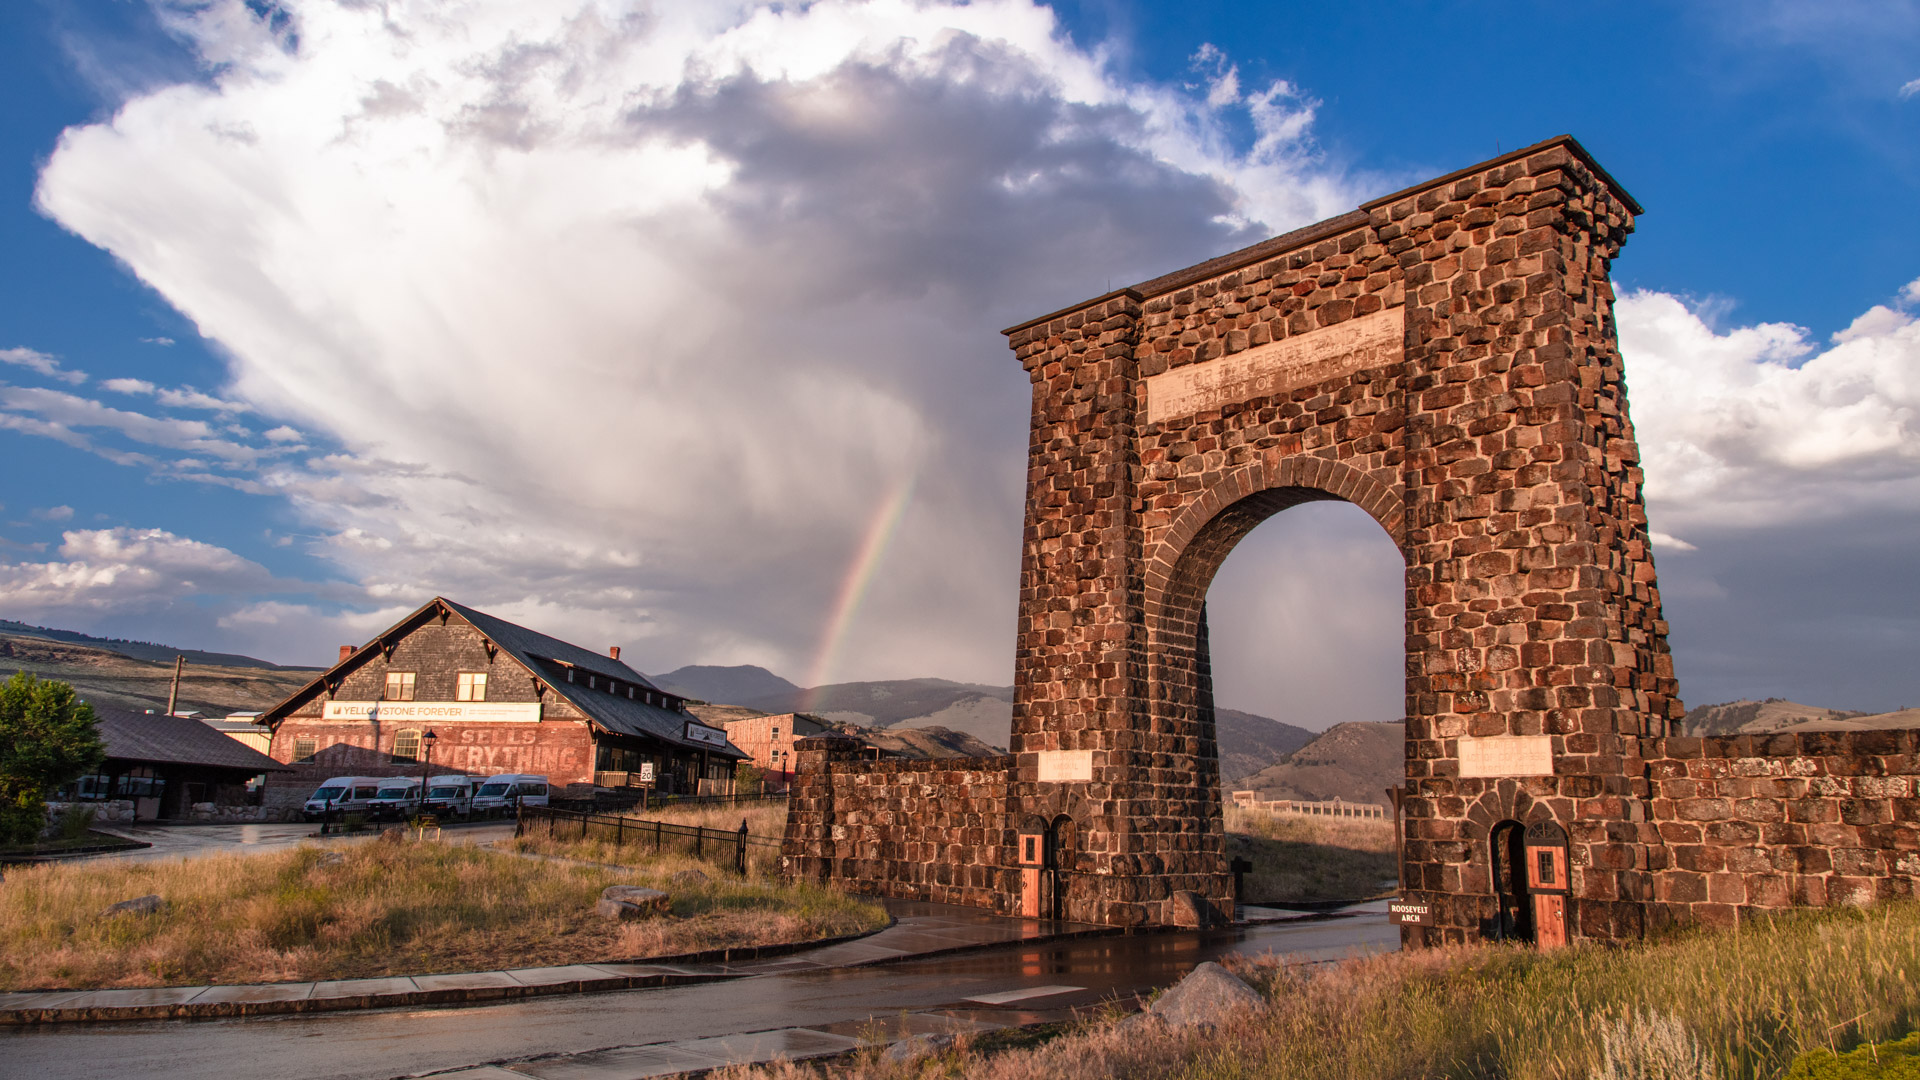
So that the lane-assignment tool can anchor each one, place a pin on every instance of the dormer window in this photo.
(399, 686)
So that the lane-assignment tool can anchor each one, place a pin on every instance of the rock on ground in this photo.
(150, 904)
(631, 902)
(916, 1047)
(1204, 998)
(689, 877)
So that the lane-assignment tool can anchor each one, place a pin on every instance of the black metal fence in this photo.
(657, 836)
(628, 798)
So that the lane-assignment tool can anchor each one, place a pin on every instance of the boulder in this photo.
(1206, 996)
(689, 878)
(1190, 910)
(916, 1047)
(631, 902)
(149, 904)
(394, 835)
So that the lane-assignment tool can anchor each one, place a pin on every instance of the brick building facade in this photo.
(499, 698)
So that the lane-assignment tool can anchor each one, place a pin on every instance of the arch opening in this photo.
(1298, 618)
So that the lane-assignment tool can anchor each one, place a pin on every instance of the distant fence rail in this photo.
(1338, 808)
(661, 836)
(627, 798)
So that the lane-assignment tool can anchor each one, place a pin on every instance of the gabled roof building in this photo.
(498, 698)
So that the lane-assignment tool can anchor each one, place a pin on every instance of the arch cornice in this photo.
(1328, 478)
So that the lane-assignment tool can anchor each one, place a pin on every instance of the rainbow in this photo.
(853, 588)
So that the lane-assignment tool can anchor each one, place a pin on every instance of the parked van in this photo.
(450, 796)
(501, 794)
(398, 797)
(342, 795)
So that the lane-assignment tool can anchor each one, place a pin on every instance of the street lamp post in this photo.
(426, 767)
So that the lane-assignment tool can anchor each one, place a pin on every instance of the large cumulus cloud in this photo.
(633, 317)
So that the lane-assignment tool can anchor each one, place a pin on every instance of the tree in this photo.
(48, 737)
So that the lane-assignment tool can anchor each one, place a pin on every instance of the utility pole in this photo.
(173, 695)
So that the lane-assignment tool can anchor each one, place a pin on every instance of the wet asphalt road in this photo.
(392, 1043)
(187, 841)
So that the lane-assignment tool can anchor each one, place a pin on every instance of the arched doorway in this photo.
(1058, 867)
(1513, 918)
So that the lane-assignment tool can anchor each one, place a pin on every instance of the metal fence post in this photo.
(740, 852)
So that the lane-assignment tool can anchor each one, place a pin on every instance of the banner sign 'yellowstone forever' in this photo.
(522, 712)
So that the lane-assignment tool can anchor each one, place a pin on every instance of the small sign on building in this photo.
(700, 733)
(1410, 912)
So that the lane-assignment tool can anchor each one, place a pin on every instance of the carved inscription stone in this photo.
(1065, 766)
(1277, 367)
(1506, 755)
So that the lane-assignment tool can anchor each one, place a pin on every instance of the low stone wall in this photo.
(1756, 822)
(103, 812)
(917, 830)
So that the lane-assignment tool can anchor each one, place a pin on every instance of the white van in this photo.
(342, 795)
(450, 796)
(501, 794)
(398, 797)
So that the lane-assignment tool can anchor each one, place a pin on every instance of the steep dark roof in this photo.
(549, 657)
(175, 740)
(524, 643)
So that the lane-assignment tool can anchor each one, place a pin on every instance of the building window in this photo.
(776, 731)
(399, 686)
(406, 746)
(473, 687)
(304, 748)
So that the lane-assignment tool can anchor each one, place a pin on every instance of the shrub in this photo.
(1886, 1061)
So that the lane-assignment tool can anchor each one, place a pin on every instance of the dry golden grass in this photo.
(1750, 1001)
(381, 909)
(1298, 858)
(768, 819)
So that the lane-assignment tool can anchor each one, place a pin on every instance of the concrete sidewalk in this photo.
(918, 930)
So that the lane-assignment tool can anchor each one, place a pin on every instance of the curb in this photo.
(72, 853)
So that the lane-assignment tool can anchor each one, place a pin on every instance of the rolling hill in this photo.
(139, 650)
(1356, 762)
(113, 678)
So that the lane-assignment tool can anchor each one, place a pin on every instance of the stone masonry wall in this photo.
(918, 830)
(1491, 441)
(1802, 819)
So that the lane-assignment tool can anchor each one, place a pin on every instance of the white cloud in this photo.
(189, 398)
(161, 341)
(42, 364)
(128, 571)
(1757, 426)
(633, 317)
(130, 386)
(55, 513)
(68, 411)
(1910, 293)
(281, 434)
(1911, 88)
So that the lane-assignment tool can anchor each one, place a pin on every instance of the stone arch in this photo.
(1227, 510)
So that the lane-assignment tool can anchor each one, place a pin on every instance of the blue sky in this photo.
(632, 328)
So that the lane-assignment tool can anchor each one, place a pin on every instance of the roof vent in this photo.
(346, 651)
(613, 651)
